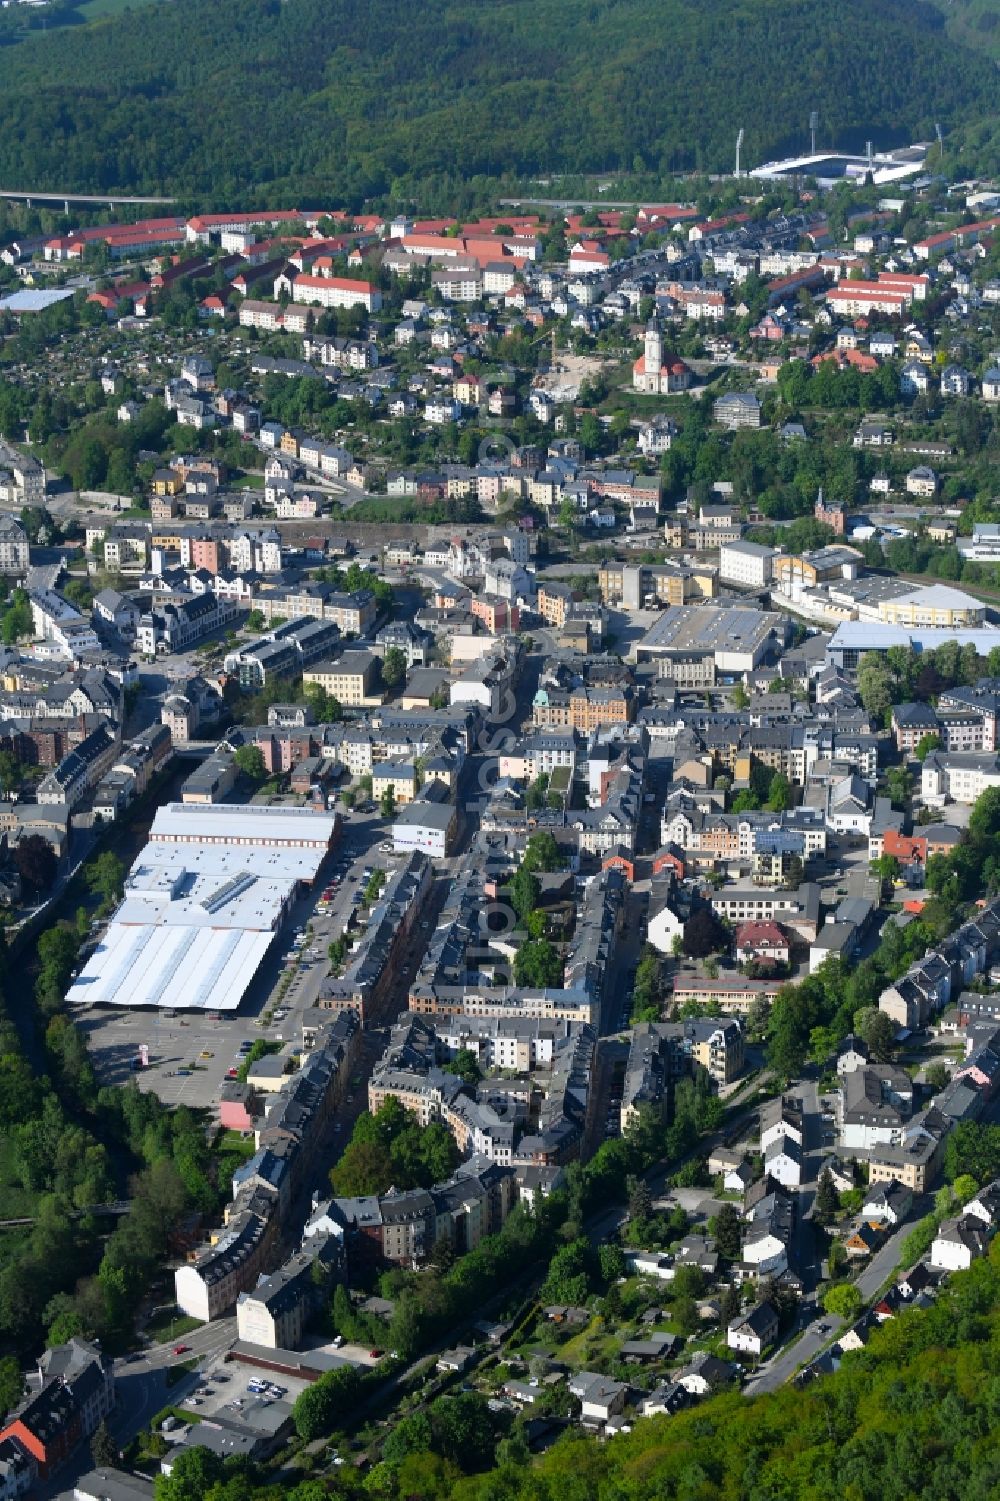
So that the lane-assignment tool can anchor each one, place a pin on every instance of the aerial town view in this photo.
(499, 751)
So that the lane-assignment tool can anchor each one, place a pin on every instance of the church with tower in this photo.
(656, 373)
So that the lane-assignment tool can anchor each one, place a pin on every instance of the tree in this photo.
(250, 761)
(925, 745)
(567, 1280)
(103, 1449)
(843, 1301)
(11, 1384)
(326, 707)
(640, 1200)
(412, 1435)
(974, 1149)
(318, 1410)
(194, 1472)
(36, 863)
(875, 686)
(728, 1233)
(463, 1430)
(466, 1065)
(936, 1076)
(827, 1202)
(11, 772)
(590, 432)
(886, 867)
(566, 515)
(779, 796)
(525, 891)
(105, 877)
(612, 1261)
(899, 784)
(442, 1253)
(537, 963)
(387, 802)
(16, 620)
(703, 934)
(877, 1030)
(919, 1240)
(393, 668)
(730, 1305)
(364, 1168)
(542, 853)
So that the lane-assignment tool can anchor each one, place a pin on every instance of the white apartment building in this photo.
(746, 563)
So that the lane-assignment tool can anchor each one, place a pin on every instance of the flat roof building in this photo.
(736, 638)
(202, 905)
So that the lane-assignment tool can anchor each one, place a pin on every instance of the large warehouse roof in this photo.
(707, 628)
(175, 967)
(242, 823)
(202, 905)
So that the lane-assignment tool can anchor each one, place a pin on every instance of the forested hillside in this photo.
(976, 23)
(343, 99)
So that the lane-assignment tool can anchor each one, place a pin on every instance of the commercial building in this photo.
(938, 606)
(729, 639)
(203, 903)
(427, 824)
(748, 564)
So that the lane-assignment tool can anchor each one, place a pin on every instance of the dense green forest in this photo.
(976, 23)
(330, 100)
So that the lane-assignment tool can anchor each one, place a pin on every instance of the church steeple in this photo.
(653, 350)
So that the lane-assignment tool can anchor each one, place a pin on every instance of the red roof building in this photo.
(761, 940)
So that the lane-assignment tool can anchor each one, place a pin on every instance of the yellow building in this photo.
(350, 678)
(554, 601)
(168, 482)
(793, 573)
(401, 776)
(937, 605)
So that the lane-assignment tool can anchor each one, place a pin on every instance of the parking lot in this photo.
(190, 1055)
(257, 1397)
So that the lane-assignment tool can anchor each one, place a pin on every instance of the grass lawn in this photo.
(165, 1326)
(234, 1143)
(595, 1342)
